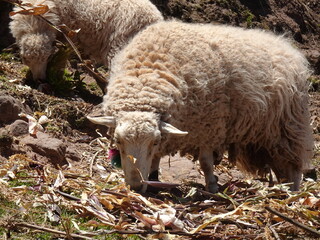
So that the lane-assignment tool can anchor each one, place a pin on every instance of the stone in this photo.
(9, 109)
(72, 153)
(18, 128)
(6, 141)
(52, 148)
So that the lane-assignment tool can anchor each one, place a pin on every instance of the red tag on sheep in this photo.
(114, 156)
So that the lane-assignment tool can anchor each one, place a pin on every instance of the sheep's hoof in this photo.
(154, 176)
(312, 173)
(213, 188)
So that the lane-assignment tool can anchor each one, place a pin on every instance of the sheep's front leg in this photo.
(206, 160)
(154, 172)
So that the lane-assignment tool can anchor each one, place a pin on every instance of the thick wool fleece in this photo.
(105, 25)
(230, 88)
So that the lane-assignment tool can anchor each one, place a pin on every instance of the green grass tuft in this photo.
(3, 78)
(62, 81)
(249, 17)
(6, 56)
(314, 83)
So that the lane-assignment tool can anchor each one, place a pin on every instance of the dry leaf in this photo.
(312, 202)
(34, 125)
(59, 180)
(166, 215)
(34, 10)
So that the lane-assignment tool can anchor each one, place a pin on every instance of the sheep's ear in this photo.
(108, 121)
(168, 128)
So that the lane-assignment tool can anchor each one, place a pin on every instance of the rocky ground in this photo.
(67, 141)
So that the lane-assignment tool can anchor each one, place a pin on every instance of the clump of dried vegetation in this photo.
(39, 201)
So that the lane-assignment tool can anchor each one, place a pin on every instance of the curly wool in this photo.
(22, 25)
(105, 25)
(230, 88)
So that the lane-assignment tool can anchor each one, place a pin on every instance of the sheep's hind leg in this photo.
(288, 173)
(206, 160)
(294, 176)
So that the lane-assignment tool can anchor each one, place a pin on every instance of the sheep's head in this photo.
(138, 138)
(35, 50)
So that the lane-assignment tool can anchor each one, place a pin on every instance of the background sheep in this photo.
(105, 27)
(220, 88)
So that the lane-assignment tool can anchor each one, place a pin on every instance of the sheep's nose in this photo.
(142, 188)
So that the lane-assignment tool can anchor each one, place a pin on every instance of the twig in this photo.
(201, 206)
(300, 225)
(5, 236)
(92, 161)
(275, 234)
(216, 227)
(44, 229)
(23, 224)
(75, 176)
(239, 224)
(243, 236)
(114, 193)
(143, 232)
(13, 169)
(68, 195)
(101, 81)
(213, 196)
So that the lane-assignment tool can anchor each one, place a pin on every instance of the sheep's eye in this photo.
(117, 141)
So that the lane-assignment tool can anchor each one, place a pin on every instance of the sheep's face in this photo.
(138, 138)
(35, 50)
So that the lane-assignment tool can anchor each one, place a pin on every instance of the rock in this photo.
(18, 128)
(6, 141)
(9, 109)
(72, 153)
(52, 148)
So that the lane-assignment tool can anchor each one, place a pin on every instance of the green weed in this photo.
(6, 56)
(314, 83)
(62, 81)
(3, 78)
(248, 16)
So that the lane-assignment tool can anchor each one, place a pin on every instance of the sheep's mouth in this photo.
(141, 188)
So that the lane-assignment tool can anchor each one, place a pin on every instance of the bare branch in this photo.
(300, 225)
(44, 229)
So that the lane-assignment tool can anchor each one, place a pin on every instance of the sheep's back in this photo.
(106, 26)
(22, 24)
(228, 80)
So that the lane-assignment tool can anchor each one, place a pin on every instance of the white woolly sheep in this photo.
(105, 27)
(220, 88)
